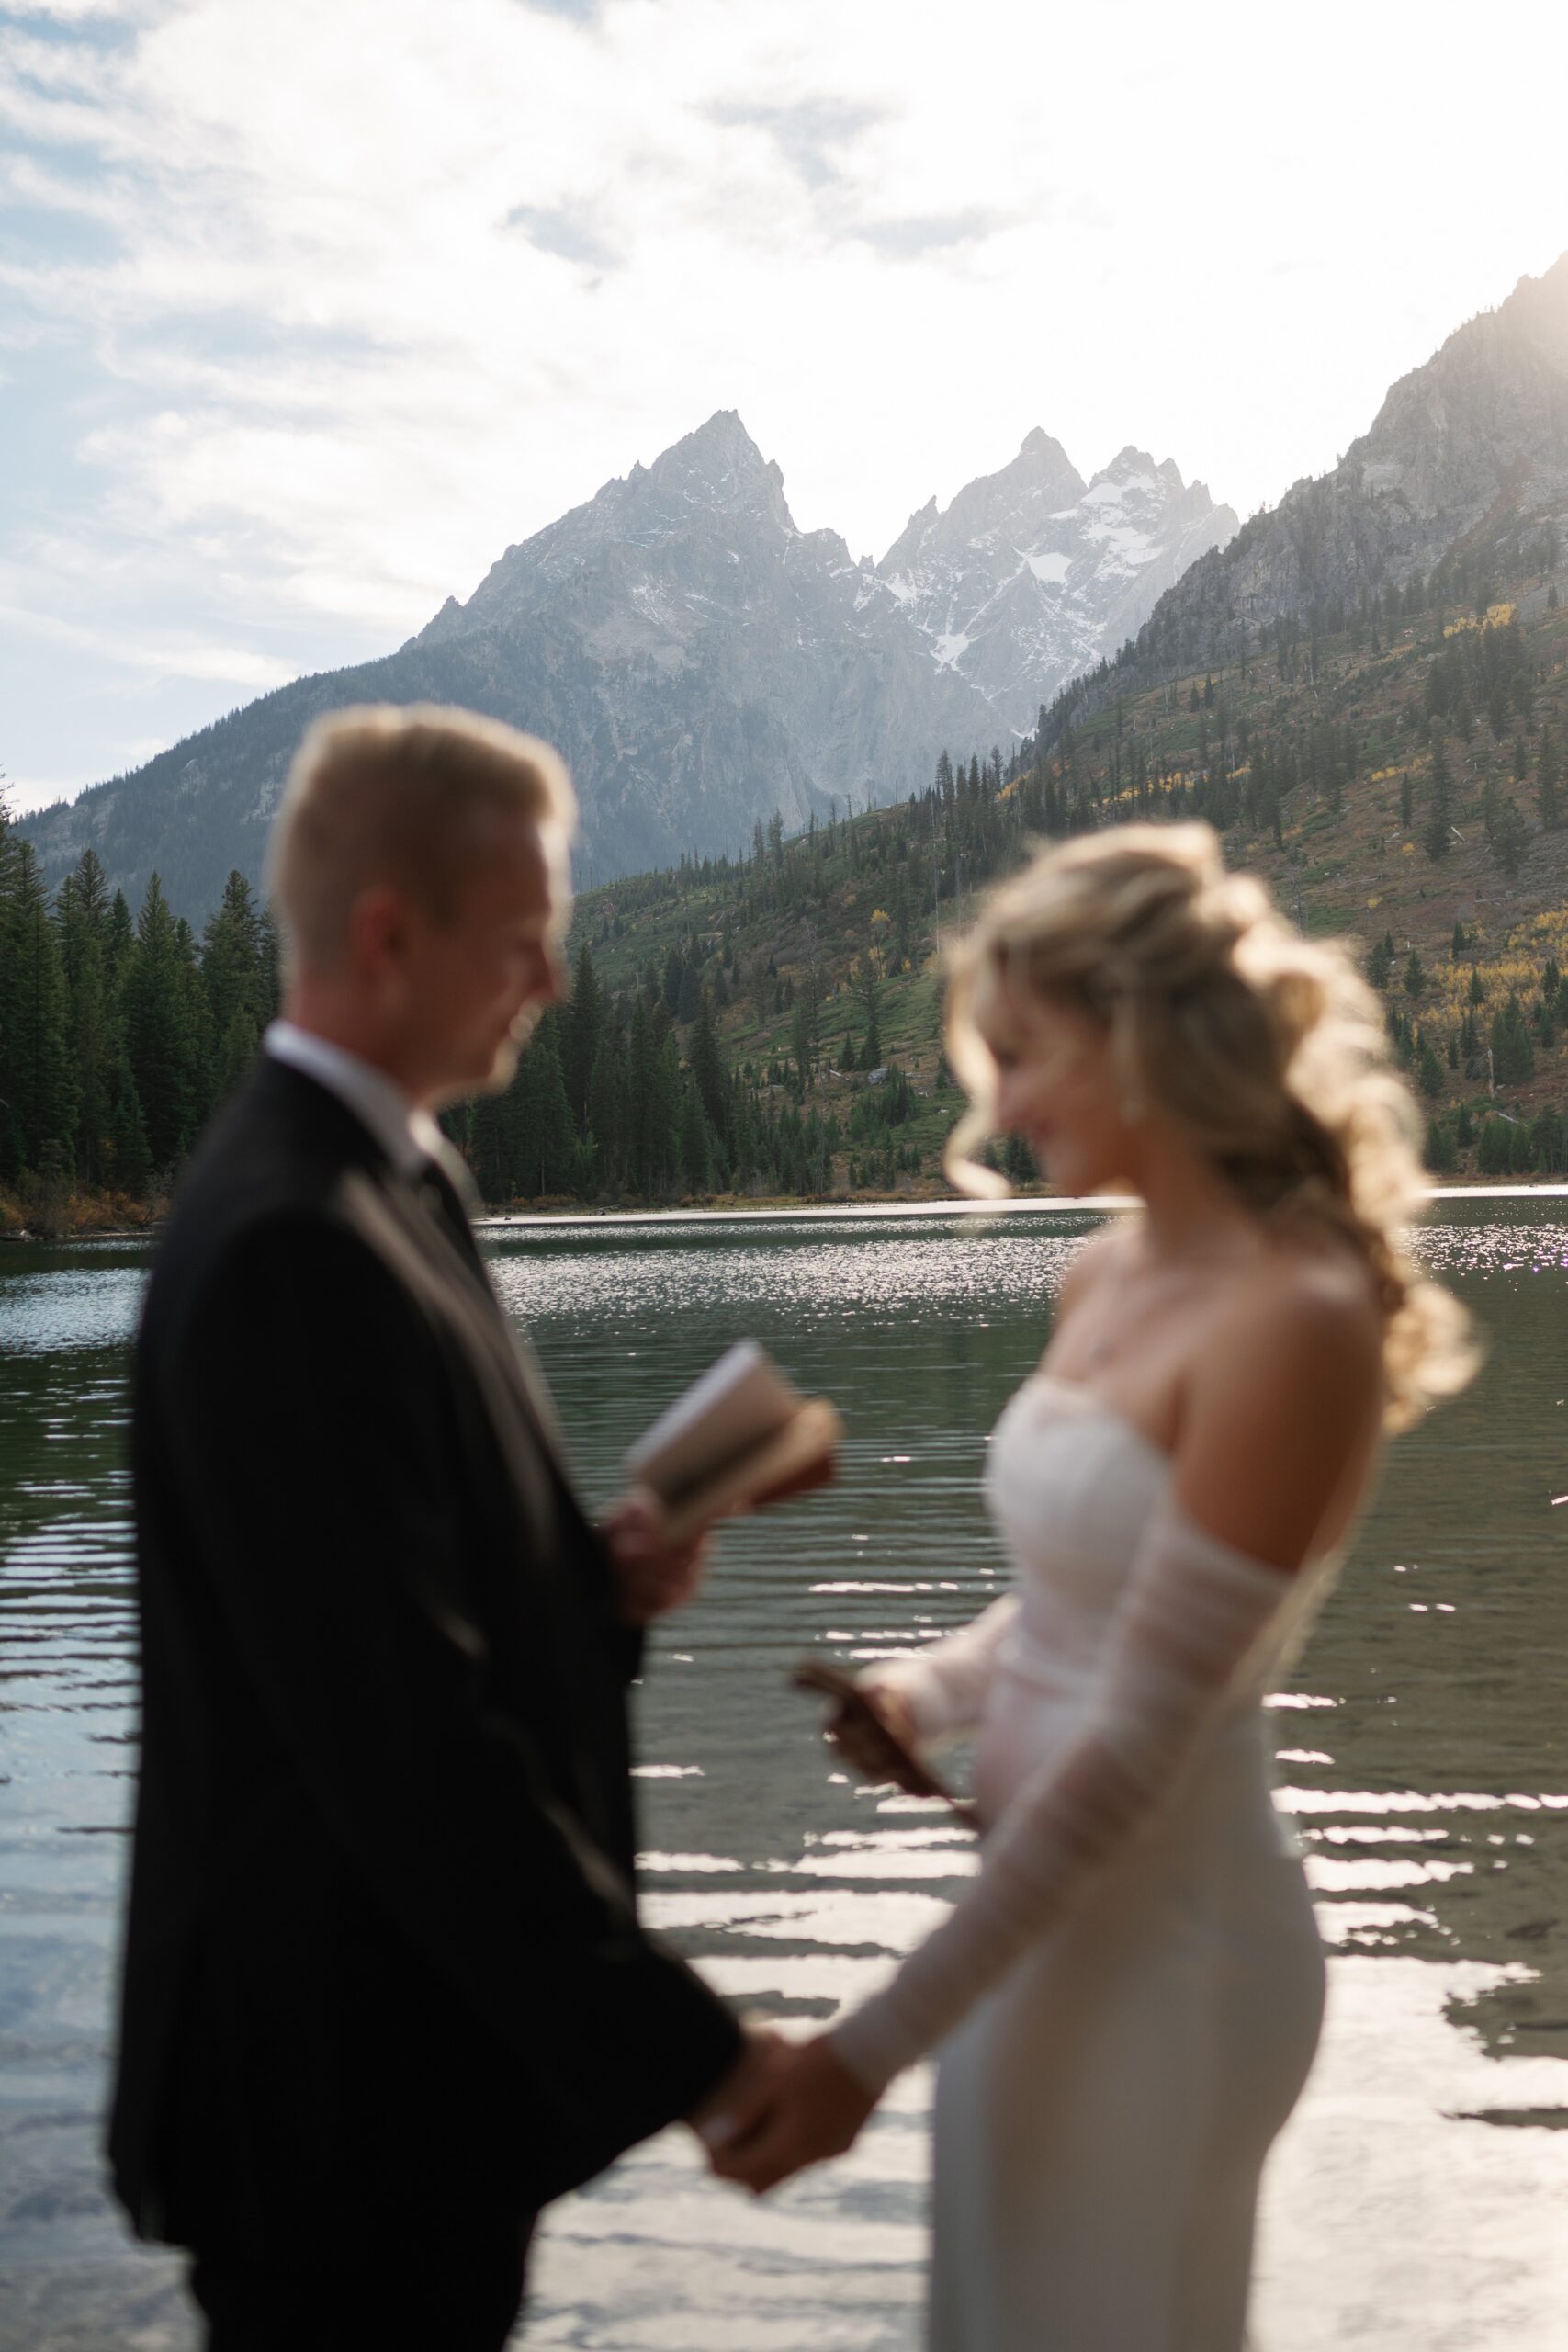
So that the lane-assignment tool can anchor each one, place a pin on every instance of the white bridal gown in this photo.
(1152, 1978)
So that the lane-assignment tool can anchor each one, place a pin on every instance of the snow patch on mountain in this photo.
(1032, 574)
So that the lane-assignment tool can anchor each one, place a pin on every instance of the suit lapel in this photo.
(434, 1225)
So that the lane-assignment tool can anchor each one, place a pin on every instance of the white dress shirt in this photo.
(409, 1137)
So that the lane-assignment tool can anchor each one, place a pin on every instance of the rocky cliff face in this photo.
(1468, 455)
(701, 662)
(1032, 574)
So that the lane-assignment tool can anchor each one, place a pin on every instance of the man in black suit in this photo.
(385, 1989)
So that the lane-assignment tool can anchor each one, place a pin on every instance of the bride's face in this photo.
(1056, 1088)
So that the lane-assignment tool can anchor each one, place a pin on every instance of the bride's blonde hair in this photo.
(1266, 1048)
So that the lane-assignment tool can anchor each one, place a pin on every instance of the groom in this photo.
(385, 1990)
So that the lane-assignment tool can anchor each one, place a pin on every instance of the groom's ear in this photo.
(383, 929)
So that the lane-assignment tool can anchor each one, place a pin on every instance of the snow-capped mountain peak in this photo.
(1031, 575)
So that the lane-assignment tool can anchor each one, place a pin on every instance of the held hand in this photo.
(812, 2107)
(653, 1576)
(854, 1734)
(747, 2088)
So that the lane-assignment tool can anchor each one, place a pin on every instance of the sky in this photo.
(309, 308)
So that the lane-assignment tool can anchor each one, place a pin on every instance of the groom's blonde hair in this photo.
(406, 796)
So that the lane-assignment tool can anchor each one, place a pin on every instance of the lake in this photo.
(1419, 2199)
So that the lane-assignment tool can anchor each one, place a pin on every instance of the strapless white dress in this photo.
(1102, 2116)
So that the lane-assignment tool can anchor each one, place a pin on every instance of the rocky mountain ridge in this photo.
(702, 662)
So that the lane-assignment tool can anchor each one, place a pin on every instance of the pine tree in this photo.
(606, 1106)
(237, 1051)
(664, 1119)
(546, 1133)
(641, 1142)
(199, 1044)
(37, 1083)
(1551, 1141)
(127, 1160)
(1440, 1156)
(1435, 836)
(120, 942)
(82, 919)
(158, 1041)
(582, 1020)
(235, 975)
(697, 1146)
(1415, 974)
(1493, 1146)
(1513, 1055)
(705, 1061)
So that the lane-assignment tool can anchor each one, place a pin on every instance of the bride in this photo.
(1125, 2003)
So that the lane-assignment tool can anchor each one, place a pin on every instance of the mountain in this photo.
(703, 663)
(1464, 470)
(1031, 573)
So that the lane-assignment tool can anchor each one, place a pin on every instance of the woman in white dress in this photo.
(1126, 2000)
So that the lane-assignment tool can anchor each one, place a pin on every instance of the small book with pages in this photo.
(741, 1436)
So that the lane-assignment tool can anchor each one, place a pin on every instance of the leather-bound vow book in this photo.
(742, 1435)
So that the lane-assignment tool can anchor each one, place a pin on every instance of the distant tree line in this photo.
(118, 1035)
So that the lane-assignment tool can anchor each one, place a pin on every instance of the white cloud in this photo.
(359, 295)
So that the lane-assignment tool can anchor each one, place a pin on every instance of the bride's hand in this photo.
(809, 2108)
(859, 1739)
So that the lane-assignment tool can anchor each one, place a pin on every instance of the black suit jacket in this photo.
(382, 1960)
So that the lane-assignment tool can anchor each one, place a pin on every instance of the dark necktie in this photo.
(444, 1197)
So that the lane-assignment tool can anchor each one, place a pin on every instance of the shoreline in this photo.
(893, 1205)
(793, 1211)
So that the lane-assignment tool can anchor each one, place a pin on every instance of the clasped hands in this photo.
(788, 2104)
(784, 2105)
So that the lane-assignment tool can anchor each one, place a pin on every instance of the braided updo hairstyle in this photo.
(1265, 1048)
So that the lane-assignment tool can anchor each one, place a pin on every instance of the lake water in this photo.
(1419, 2199)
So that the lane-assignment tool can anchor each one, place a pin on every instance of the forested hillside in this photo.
(1397, 774)
(769, 1025)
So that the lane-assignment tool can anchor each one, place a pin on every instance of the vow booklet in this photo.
(741, 1436)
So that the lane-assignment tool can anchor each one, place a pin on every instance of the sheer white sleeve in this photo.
(1193, 1616)
(945, 1685)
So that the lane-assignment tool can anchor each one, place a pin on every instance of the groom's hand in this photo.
(806, 2108)
(744, 2091)
(653, 1576)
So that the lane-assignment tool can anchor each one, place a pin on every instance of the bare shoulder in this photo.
(1285, 1406)
(1300, 1327)
(1093, 1259)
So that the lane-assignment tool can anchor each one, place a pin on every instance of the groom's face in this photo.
(483, 979)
